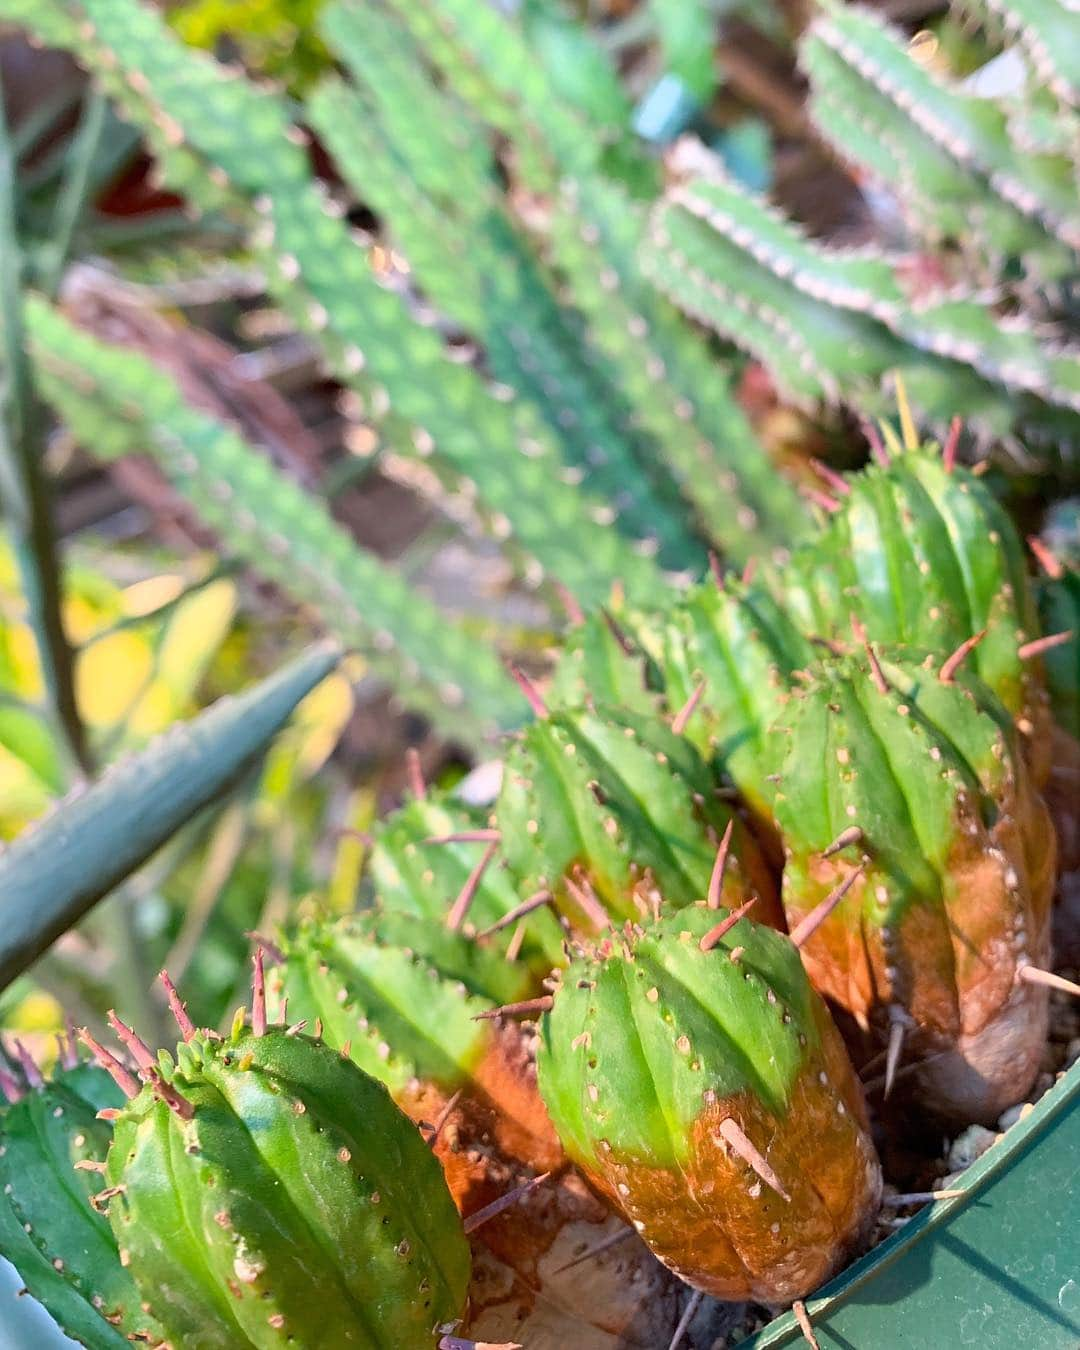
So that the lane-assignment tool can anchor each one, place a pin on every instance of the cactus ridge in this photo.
(600, 663)
(390, 979)
(741, 643)
(608, 804)
(417, 876)
(253, 1177)
(659, 1050)
(52, 1143)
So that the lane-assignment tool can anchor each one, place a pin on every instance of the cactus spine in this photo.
(696, 1078)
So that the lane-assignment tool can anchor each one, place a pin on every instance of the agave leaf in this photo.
(994, 1267)
(54, 873)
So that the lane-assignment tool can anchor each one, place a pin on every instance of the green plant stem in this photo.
(23, 487)
(72, 199)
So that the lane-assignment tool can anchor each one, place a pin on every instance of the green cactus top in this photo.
(401, 991)
(599, 663)
(418, 877)
(744, 646)
(58, 1241)
(270, 1193)
(921, 552)
(906, 761)
(647, 1030)
(618, 799)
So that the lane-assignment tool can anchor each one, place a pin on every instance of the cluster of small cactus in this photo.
(797, 785)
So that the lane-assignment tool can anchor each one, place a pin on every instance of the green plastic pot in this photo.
(997, 1267)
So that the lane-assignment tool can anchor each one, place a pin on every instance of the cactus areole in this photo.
(698, 1082)
(957, 856)
(266, 1192)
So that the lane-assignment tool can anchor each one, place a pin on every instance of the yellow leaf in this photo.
(110, 675)
(194, 632)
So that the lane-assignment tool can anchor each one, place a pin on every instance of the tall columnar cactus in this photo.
(411, 1001)
(968, 175)
(985, 189)
(609, 811)
(52, 1142)
(834, 323)
(902, 778)
(696, 1078)
(918, 550)
(265, 1191)
(736, 644)
(118, 402)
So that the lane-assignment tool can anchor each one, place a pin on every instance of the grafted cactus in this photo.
(52, 1142)
(902, 778)
(254, 1179)
(411, 1002)
(696, 1078)
(609, 811)
(919, 551)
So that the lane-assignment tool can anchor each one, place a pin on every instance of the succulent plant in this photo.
(696, 1078)
(411, 1003)
(435, 858)
(903, 795)
(264, 1191)
(737, 643)
(919, 551)
(609, 810)
(52, 1142)
(602, 662)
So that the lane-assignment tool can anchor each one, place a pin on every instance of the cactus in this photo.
(609, 811)
(697, 1080)
(979, 197)
(52, 1142)
(431, 852)
(120, 402)
(601, 663)
(833, 323)
(739, 646)
(901, 782)
(254, 1179)
(223, 141)
(919, 551)
(412, 1004)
